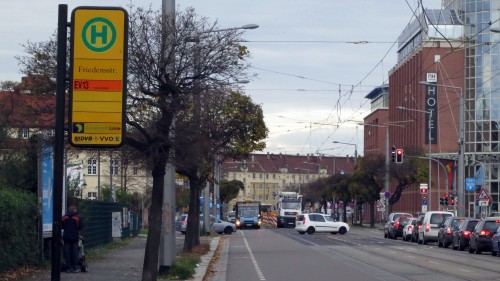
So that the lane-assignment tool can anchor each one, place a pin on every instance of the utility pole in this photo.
(167, 241)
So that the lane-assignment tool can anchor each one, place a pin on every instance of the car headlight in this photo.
(237, 222)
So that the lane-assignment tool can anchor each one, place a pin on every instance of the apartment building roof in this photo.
(26, 110)
(286, 163)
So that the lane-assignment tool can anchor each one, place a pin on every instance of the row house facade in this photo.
(265, 175)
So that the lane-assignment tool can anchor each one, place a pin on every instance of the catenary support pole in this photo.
(167, 240)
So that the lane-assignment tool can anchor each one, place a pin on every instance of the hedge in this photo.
(18, 229)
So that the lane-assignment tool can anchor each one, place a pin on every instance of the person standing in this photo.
(72, 224)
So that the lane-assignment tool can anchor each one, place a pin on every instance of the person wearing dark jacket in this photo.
(72, 224)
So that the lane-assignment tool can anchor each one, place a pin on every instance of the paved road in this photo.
(362, 254)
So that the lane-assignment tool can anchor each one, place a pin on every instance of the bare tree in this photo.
(161, 82)
(164, 74)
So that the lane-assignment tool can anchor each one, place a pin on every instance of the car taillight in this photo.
(466, 233)
(410, 228)
(448, 230)
(427, 228)
(418, 227)
(304, 220)
(484, 233)
(397, 225)
(184, 222)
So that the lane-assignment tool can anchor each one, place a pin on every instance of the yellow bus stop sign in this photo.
(98, 76)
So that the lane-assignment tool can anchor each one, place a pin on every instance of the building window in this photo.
(92, 166)
(24, 133)
(253, 175)
(114, 167)
(92, 195)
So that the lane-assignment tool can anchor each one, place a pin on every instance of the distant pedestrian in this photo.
(72, 224)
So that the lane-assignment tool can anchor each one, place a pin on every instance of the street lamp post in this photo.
(356, 215)
(303, 178)
(387, 175)
(319, 167)
(429, 137)
(355, 148)
(460, 187)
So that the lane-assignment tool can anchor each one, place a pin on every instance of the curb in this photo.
(202, 268)
(220, 266)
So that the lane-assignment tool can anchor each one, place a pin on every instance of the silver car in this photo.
(216, 225)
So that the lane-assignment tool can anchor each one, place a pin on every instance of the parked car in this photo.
(216, 225)
(495, 243)
(461, 236)
(480, 239)
(418, 225)
(445, 234)
(494, 215)
(390, 222)
(408, 229)
(432, 222)
(399, 224)
(231, 217)
(317, 222)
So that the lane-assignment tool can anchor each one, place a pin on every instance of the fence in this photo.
(98, 219)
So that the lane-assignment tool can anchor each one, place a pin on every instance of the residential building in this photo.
(265, 175)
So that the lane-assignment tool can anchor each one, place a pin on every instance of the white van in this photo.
(433, 220)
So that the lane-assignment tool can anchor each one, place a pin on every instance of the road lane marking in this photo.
(254, 261)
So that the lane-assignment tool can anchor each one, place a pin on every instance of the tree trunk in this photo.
(150, 266)
(192, 237)
(372, 214)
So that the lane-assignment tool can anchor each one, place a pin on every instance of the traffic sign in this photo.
(470, 184)
(98, 76)
(424, 188)
(483, 195)
(424, 202)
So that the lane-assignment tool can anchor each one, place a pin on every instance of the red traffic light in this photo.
(399, 155)
(446, 195)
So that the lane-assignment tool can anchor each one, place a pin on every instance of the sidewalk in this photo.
(124, 264)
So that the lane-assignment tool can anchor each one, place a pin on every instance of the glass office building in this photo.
(481, 22)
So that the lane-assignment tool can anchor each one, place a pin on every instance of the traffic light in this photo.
(399, 155)
(441, 201)
(393, 155)
(446, 195)
(452, 199)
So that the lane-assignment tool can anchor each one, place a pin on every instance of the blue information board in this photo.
(470, 184)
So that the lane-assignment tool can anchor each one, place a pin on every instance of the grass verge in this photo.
(185, 264)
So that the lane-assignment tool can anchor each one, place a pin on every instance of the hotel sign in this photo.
(98, 76)
(431, 118)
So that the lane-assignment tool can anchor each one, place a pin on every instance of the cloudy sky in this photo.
(315, 60)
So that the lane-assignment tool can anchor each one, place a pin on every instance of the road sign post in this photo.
(98, 76)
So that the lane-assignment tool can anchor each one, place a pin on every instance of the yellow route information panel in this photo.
(98, 76)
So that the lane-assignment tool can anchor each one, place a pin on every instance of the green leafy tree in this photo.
(220, 122)
(339, 185)
(18, 168)
(229, 190)
(368, 181)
